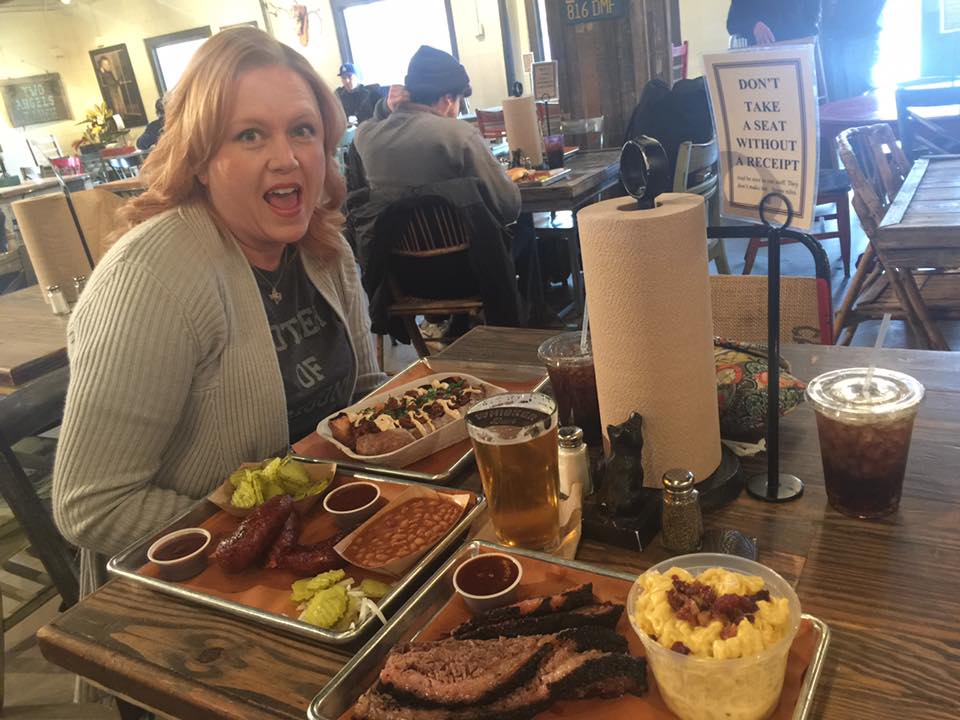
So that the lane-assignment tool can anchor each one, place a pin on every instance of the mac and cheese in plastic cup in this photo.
(735, 678)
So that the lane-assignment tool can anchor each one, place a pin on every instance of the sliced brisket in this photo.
(579, 663)
(445, 673)
(599, 614)
(571, 599)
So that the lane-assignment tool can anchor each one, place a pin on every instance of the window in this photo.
(380, 36)
(170, 54)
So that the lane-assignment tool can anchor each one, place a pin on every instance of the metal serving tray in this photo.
(490, 372)
(128, 563)
(339, 695)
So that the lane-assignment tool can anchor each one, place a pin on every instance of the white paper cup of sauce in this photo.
(352, 503)
(488, 580)
(181, 554)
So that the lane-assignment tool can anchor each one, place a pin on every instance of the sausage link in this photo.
(254, 535)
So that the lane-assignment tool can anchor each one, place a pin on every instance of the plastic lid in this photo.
(841, 394)
(565, 347)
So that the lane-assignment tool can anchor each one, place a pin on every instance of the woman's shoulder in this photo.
(174, 252)
(181, 237)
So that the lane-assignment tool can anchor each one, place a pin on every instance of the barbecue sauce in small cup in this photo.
(351, 497)
(179, 547)
(487, 575)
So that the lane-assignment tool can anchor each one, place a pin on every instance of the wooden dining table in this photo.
(33, 340)
(889, 589)
(591, 173)
(921, 229)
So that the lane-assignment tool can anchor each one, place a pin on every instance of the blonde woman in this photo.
(229, 318)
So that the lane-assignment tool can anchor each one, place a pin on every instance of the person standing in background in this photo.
(850, 31)
(358, 100)
(763, 22)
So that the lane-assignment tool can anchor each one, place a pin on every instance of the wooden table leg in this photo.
(853, 292)
(934, 335)
(895, 276)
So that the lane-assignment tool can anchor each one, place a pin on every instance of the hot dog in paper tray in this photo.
(407, 423)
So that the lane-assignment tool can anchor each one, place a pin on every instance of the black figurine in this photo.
(622, 486)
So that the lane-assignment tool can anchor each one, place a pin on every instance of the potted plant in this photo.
(99, 130)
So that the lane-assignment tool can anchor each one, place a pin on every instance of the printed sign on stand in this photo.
(545, 85)
(764, 104)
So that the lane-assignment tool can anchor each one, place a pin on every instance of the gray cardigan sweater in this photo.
(174, 379)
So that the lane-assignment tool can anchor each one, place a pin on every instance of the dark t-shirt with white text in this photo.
(313, 350)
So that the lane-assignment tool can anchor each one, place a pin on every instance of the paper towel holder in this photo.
(644, 170)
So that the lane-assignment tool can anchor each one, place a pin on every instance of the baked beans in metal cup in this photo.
(514, 437)
(716, 631)
(864, 437)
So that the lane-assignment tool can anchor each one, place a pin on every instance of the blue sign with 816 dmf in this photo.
(584, 11)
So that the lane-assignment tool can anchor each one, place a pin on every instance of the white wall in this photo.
(703, 23)
(59, 41)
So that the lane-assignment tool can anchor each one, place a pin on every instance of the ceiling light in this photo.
(66, 2)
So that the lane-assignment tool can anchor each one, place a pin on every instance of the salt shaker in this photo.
(572, 463)
(681, 524)
(58, 303)
(79, 282)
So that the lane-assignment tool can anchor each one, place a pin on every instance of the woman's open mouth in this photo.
(284, 199)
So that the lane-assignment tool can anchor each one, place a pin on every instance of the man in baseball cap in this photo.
(358, 100)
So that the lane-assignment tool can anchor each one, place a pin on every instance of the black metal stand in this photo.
(774, 486)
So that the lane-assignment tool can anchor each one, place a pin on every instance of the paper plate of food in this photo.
(407, 423)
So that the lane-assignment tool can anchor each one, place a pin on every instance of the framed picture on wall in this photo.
(118, 85)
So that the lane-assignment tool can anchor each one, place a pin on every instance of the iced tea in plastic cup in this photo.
(574, 383)
(864, 437)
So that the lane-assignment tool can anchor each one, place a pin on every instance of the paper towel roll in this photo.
(648, 292)
(51, 237)
(523, 128)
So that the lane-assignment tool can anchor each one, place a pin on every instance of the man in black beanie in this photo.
(414, 137)
(415, 143)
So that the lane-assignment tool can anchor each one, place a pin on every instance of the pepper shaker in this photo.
(681, 524)
(58, 303)
(79, 282)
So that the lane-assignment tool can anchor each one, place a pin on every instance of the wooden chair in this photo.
(877, 168)
(739, 302)
(33, 409)
(697, 173)
(921, 136)
(584, 128)
(431, 229)
(680, 54)
(491, 123)
(834, 189)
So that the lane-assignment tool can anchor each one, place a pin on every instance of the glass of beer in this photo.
(864, 437)
(514, 437)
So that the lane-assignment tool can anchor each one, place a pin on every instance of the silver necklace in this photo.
(275, 294)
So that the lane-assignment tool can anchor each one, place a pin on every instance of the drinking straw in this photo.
(584, 329)
(884, 326)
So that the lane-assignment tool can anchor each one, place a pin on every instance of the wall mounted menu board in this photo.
(35, 99)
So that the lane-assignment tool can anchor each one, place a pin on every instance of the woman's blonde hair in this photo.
(195, 128)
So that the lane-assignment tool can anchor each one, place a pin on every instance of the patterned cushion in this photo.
(742, 389)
